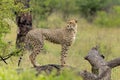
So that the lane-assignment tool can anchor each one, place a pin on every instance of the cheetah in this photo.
(64, 36)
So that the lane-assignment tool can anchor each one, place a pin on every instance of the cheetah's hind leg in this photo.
(37, 49)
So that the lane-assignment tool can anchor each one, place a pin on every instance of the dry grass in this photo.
(88, 36)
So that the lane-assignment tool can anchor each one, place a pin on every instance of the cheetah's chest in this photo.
(70, 39)
(73, 38)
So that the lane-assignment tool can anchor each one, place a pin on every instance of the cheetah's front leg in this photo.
(64, 54)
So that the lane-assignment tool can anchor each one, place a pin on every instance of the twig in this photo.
(3, 60)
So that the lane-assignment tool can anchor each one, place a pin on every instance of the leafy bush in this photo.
(7, 17)
(88, 8)
(109, 19)
(67, 7)
(102, 18)
(5, 13)
(43, 8)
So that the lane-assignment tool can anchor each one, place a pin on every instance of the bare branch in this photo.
(3, 60)
(114, 63)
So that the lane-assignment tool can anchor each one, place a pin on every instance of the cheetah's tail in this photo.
(19, 61)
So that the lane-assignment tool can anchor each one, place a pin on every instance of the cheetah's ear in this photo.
(76, 21)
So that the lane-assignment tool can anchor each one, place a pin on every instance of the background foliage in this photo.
(98, 24)
(6, 13)
(89, 9)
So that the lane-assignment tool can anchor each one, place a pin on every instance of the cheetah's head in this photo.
(72, 24)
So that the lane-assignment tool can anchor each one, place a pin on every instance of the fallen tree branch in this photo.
(87, 75)
(50, 67)
(114, 63)
(98, 63)
(4, 58)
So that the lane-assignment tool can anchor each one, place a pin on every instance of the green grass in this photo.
(88, 36)
(28, 74)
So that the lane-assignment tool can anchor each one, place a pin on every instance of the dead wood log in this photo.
(114, 63)
(98, 63)
(48, 68)
(51, 67)
(87, 75)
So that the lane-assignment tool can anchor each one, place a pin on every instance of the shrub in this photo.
(90, 7)
(108, 19)
(5, 13)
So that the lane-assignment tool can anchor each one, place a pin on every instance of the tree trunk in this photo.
(24, 22)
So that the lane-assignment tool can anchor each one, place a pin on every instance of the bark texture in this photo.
(24, 22)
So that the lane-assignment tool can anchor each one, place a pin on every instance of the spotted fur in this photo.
(64, 36)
